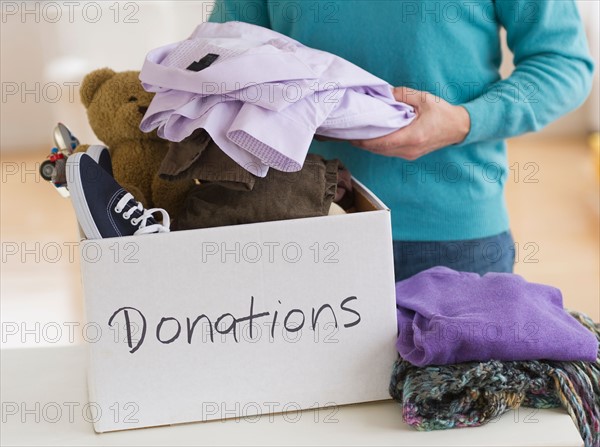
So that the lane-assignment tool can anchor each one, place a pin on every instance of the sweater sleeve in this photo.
(255, 12)
(552, 76)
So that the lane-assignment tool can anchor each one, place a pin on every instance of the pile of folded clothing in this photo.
(472, 347)
(237, 99)
(262, 96)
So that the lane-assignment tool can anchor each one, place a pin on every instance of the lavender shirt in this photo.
(445, 317)
(265, 95)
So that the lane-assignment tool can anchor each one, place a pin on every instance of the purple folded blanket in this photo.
(446, 317)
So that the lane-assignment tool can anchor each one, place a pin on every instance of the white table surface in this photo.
(39, 382)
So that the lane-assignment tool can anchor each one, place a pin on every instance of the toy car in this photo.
(53, 168)
(47, 168)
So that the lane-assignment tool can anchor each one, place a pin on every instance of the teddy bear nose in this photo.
(142, 109)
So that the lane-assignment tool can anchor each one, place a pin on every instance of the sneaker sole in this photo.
(82, 211)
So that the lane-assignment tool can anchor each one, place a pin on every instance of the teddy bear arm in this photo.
(132, 172)
(170, 195)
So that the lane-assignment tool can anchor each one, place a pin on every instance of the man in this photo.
(443, 175)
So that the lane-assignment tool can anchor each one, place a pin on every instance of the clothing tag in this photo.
(203, 63)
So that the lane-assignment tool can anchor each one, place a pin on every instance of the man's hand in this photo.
(438, 124)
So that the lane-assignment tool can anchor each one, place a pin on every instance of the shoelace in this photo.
(143, 219)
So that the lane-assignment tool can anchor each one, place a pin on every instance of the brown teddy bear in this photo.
(116, 103)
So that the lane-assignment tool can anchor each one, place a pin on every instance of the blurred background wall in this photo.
(46, 50)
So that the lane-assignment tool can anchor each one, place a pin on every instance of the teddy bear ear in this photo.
(92, 82)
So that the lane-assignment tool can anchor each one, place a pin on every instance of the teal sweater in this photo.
(451, 49)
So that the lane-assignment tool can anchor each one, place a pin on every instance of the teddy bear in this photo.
(115, 104)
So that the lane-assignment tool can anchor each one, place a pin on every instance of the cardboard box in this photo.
(241, 320)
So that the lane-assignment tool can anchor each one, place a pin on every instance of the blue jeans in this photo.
(490, 254)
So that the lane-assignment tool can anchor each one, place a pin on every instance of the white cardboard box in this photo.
(175, 372)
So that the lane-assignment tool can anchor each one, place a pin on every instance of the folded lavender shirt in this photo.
(445, 317)
(264, 95)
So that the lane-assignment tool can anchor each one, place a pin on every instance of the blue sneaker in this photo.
(103, 207)
(101, 155)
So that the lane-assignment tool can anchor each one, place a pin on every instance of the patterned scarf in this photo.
(473, 393)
